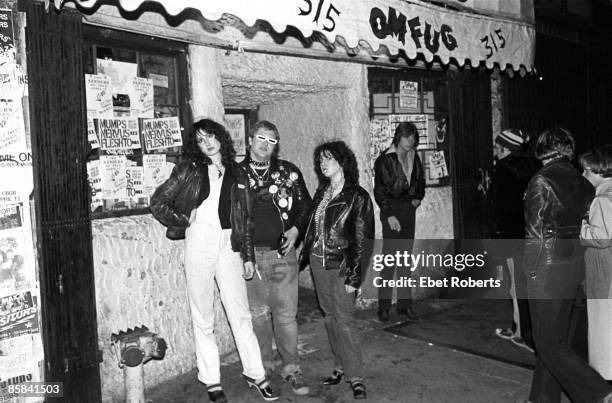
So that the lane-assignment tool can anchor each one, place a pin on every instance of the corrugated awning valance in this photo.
(412, 26)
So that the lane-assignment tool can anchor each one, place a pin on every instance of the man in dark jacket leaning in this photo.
(279, 206)
(399, 187)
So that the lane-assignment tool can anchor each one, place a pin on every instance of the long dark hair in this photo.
(192, 151)
(345, 157)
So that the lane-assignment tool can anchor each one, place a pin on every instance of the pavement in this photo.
(397, 368)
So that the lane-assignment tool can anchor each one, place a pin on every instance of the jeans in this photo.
(273, 299)
(339, 309)
(209, 257)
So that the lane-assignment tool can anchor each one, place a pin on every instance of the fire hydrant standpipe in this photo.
(133, 348)
(134, 384)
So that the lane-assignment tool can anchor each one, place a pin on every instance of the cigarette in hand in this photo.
(257, 271)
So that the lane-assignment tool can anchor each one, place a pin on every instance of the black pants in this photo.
(558, 364)
(394, 241)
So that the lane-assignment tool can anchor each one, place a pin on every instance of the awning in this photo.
(412, 26)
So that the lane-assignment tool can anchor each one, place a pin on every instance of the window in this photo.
(415, 96)
(136, 109)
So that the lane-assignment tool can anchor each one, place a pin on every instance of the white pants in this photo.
(209, 256)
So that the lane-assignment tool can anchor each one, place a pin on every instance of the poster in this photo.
(112, 176)
(437, 165)
(118, 133)
(141, 97)
(95, 184)
(409, 95)
(12, 129)
(99, 97)
(159, 80)
(135, 182)
(16, 267)
(155, 172)
(7, 38)
(420, 120)
(18, 354)
(161, 133)
(380, 138)
(92, 136)
(121, 75)
(234, 123)
(18, 315)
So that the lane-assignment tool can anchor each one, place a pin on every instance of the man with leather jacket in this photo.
(399, 187)
(556, 199)
(279, 204)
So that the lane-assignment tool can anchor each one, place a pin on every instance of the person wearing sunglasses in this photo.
(205, 201)
(279, 205)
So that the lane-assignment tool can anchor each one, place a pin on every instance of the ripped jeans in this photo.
(273, 301)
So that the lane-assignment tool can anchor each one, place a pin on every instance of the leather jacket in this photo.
(287, 178)
(188, 186)
(390, 182)
(348, 233)
(556, 200)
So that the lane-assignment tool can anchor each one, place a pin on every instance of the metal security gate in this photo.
(471, 152)
(61, 196)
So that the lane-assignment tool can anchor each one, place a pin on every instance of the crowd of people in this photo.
(560, 251)
(242, 222)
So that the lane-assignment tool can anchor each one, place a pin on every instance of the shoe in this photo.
(408, 312)
(521, 343)
(215, 393)
(334, 379)
(296, 380)
(506, 333)
(359, 390)
(263, 387)
(383, 315)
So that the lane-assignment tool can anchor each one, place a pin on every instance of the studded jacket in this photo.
(188, 186)
(347, 236)
(285, 184)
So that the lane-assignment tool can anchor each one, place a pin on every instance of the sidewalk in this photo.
(398, 369)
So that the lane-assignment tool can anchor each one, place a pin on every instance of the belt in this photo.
(264, 248)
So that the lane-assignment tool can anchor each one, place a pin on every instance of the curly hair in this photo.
(343, 155)
(555, 142)
(192, 151)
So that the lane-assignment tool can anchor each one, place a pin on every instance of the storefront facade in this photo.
(318, 70)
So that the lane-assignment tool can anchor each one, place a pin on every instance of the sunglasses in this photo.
(268, 140)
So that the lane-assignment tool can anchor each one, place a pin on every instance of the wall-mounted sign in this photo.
(412, 27)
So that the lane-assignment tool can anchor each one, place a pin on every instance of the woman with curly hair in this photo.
(337, 245)
(194, 204)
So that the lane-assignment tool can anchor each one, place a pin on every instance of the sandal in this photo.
(263, 387)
